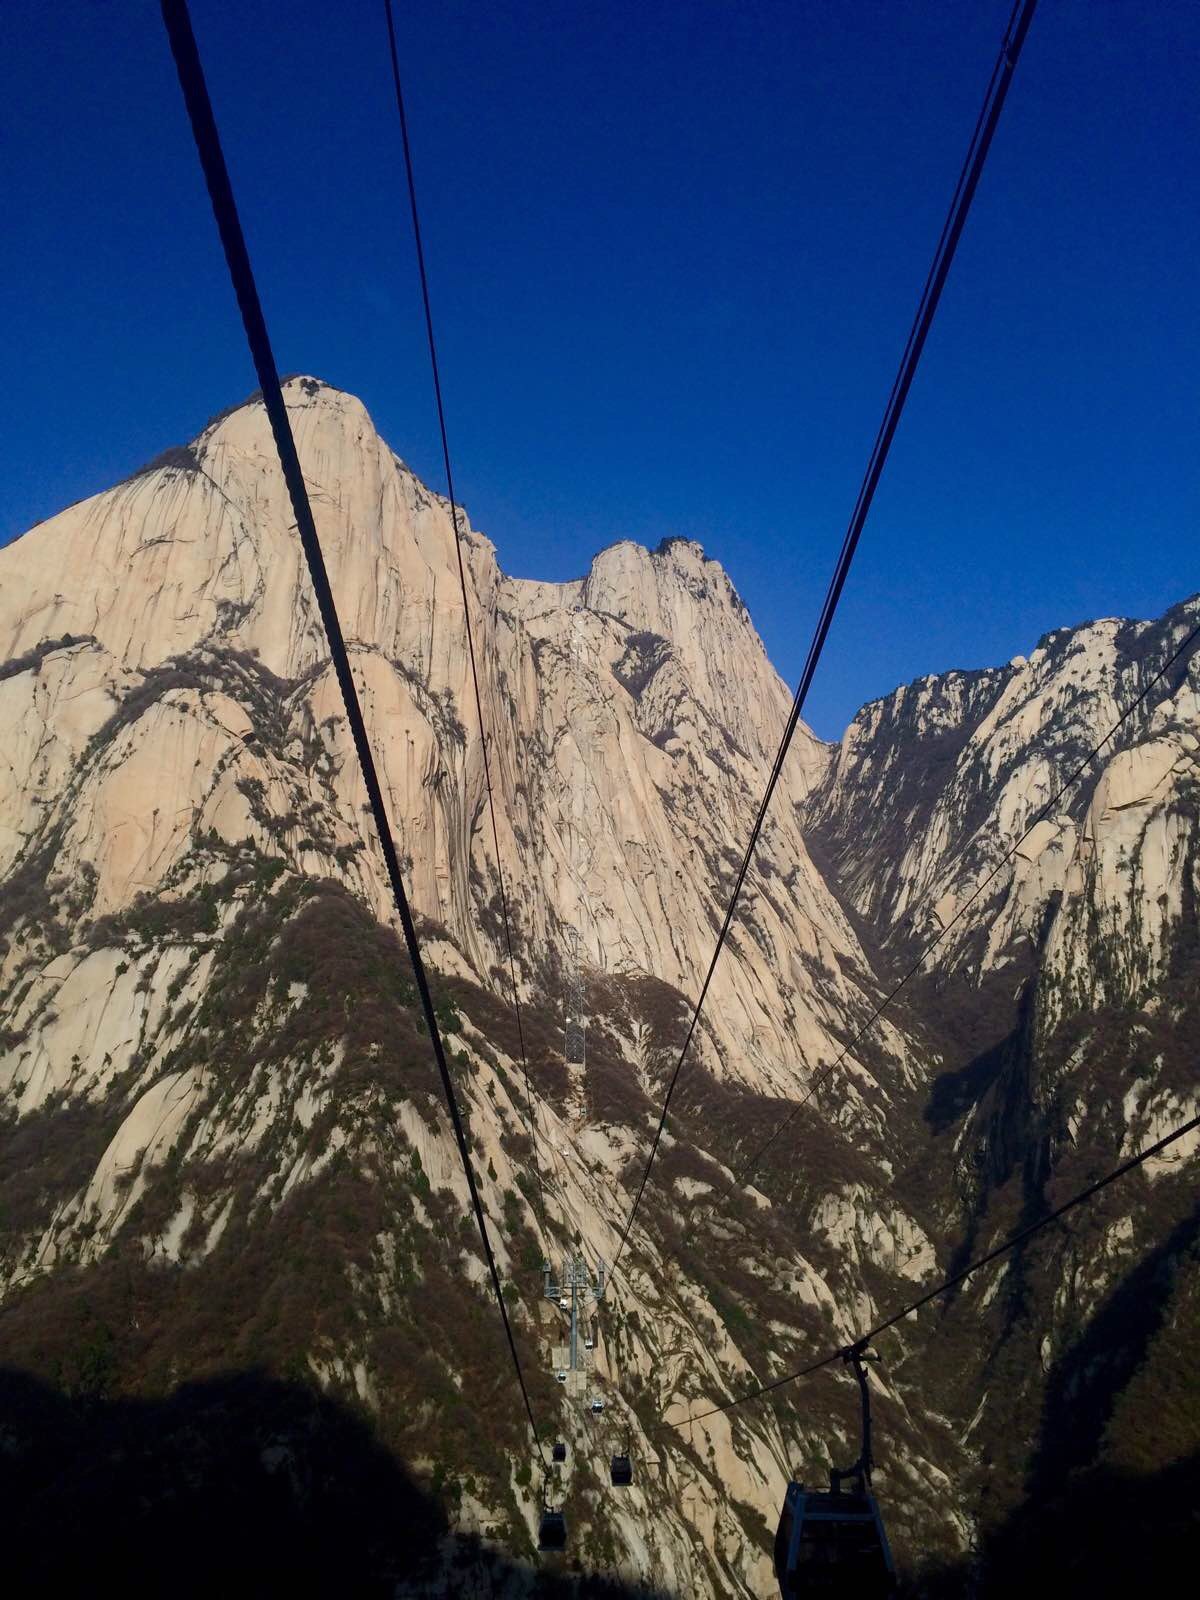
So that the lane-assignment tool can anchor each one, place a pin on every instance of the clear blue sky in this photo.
(675, 247)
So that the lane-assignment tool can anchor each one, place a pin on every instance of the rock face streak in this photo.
(179, 802)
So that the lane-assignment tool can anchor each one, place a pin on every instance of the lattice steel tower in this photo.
(575, 1287)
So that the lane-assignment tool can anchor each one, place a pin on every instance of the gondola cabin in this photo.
(832, 1544)
(559, 1452)
(621, 1471)
(552, 1531)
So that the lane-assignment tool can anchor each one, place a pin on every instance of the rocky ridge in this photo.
(216, 1084)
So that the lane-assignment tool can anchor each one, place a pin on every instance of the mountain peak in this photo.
(226, 1103)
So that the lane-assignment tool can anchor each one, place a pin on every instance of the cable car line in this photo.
(747, 1170)
(208, 145)
(959, 1277)
(531, 1115)
(968, 182)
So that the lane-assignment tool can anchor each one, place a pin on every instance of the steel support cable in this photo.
(955, 201)
(531, 1115)
(968, 182)
(208, 145)
(1010, 1243)
(747, 1170)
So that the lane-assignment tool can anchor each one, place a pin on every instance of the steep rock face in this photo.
(932, 786)
(203, 1048)
(224, 1146)
(195, 560)
(1061, 998)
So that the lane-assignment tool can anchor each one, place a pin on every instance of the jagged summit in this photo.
(930, 784)
(219, 1129)
(640, 695)
(293, 384)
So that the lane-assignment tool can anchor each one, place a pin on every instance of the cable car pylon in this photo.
(576, 1285)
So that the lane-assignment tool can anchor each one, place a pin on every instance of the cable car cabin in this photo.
(559, 1452)
(597, 1406)
(621, 1472)
(552, 1531)
(832, 1544)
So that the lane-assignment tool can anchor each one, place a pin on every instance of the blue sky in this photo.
(675, 248)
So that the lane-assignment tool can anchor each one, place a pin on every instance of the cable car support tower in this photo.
(577, 1284)
(575, 1287)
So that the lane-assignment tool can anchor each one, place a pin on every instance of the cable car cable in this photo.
(435, 369)
(746, 1171)
(952, 1282)
(968, 182)
(208, 145)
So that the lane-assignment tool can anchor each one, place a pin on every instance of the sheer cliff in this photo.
(224, 1150)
